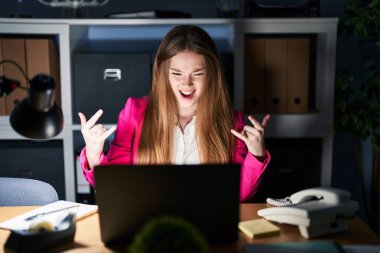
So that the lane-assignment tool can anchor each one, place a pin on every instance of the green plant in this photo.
(168, 234)
(364, 19)
(357, 111)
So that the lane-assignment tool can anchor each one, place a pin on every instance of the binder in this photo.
(298, 75)
(14, 49)
(2, 106)
(254, 75)
(276, 75)
(34, 56)
(2, 99)
(1, 56)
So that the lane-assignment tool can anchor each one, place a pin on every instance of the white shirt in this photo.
(185, 144)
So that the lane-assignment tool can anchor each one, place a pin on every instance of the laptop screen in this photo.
(205, 195)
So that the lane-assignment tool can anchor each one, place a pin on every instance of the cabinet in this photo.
(142, 36)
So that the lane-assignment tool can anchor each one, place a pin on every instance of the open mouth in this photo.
(187, 94)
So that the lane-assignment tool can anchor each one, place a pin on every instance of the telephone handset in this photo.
(329, 195)
(316, 211)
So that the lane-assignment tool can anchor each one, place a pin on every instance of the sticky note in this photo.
(258, 228)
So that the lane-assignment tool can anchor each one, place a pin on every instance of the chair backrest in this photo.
(25, 192)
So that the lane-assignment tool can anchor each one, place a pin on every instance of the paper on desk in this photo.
(19, 222)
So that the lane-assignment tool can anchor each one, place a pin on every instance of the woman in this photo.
(187, 119)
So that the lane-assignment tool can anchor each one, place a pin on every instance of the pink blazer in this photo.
(124, 146)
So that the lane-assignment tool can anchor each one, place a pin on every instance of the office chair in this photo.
(25, 192)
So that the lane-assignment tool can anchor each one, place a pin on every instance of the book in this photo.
(49, 213)
(295, 247)
(258, 228)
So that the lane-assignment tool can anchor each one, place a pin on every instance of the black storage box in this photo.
(106, 80)
(295, 166)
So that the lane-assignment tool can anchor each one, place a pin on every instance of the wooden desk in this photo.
(87, 237)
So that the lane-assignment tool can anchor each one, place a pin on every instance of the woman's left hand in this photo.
(253, 136)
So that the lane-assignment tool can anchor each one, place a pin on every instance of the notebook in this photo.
(206, 195)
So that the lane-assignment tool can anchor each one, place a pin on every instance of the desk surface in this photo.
(87, 237)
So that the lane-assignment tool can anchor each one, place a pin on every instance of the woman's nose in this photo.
(188, 80)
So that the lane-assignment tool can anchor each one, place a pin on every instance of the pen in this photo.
(41, 214)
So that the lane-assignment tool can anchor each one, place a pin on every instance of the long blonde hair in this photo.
(214, 112)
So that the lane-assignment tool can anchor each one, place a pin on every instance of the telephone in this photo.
(316, 211)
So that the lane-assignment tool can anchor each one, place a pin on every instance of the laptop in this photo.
(205, 195)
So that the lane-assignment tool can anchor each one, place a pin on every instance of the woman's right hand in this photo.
(94, 137)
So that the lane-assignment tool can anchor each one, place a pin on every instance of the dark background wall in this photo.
(350, 56)
(197, 8)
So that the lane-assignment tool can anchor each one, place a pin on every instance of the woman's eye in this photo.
(199, 74)
(176, 73)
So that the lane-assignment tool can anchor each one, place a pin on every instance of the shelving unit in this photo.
(94, 35)
(304, 125)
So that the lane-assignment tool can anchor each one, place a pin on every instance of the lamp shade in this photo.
(37, 116)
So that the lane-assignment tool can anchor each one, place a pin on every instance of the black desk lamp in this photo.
(37, 116)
